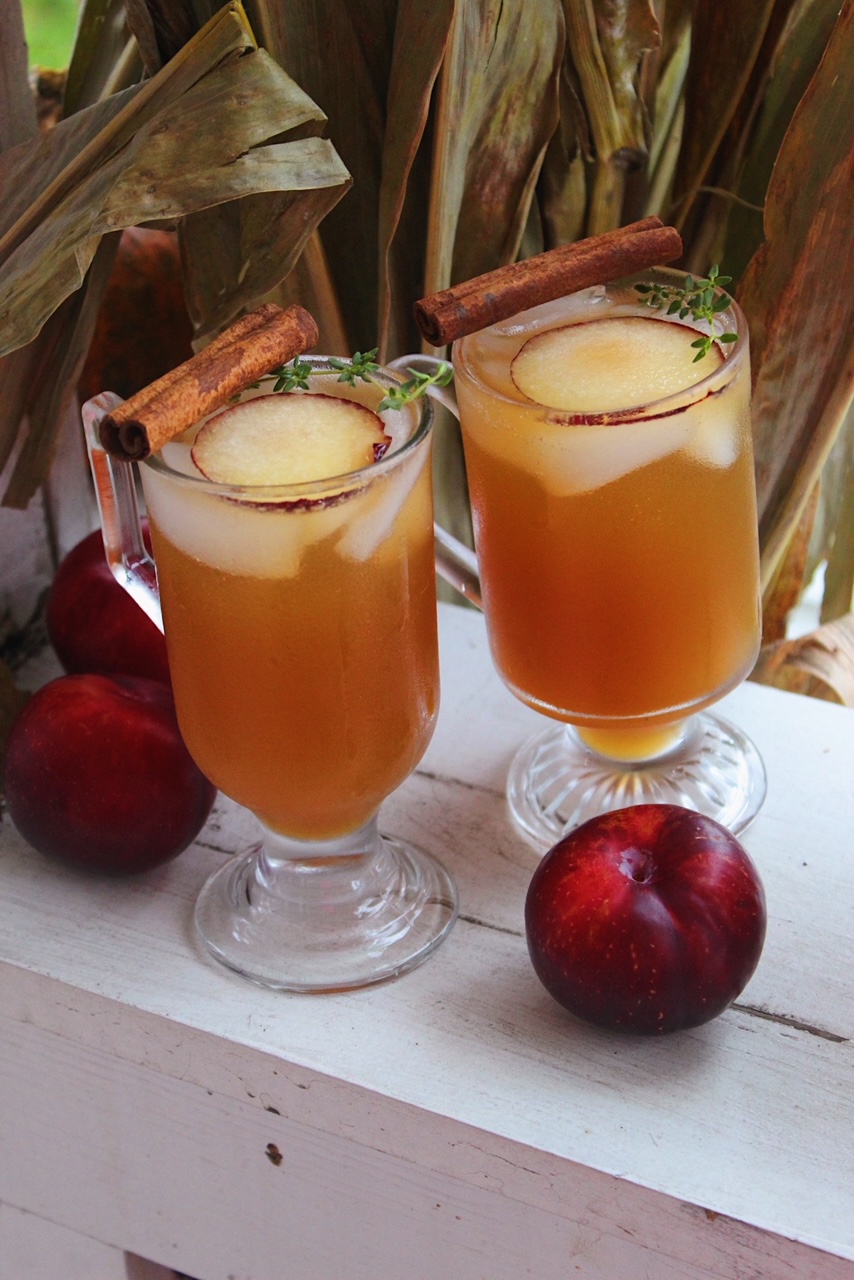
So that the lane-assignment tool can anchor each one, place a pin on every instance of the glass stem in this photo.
(278, 848)
(645, 742)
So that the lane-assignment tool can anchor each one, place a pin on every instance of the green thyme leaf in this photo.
(292, 376)
(363, 365)
(697, 299)
(416, 387)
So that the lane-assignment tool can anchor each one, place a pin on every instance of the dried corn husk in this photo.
(798, 293)
(210, 128)
(820, 664)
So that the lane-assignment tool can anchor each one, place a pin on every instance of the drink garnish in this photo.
(610, 366)
(207, 381)
(702, 299)
(363, 366)
(498, 295)
(266, 441)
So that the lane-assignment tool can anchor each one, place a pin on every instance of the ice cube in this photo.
(577, 459)
(378, 509)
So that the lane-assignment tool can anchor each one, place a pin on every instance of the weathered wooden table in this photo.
(455, 1123)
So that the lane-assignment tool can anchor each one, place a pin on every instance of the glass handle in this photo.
(455, 562)
(115, 491)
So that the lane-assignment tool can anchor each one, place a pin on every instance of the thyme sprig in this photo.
(696, 299)
(362, 366)
(417, 386)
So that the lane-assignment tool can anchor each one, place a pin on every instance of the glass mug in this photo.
(301, 627)
(619, 569)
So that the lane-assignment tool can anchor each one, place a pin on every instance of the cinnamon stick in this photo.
(452, 313)
(252, 346)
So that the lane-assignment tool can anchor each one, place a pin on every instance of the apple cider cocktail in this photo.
(611, 478)
(291, 518)
(300, 612)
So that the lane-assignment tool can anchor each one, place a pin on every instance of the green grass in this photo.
(49, 26)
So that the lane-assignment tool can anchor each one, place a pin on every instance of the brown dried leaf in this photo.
(562, 195)
(419, 48)
(260, 241)
(18, 371)
(835, 540)
(796, 57)
(172, 166)
(79, 151)
(677, 13)
(798, 294)
(340, 52)
(335, 279)
(820, 664)
(17, 110)
(218, 287)
(497, 109)
(310, 284)
(60, 350)
(562, 186)
(669, 119)
(163, 27)
(627, 29)
(726, 59)
(100, 48)
(185, 140)
(608, 40)
(786, 589)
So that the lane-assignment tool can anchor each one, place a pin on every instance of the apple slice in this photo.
(289, 439)
(613, 364)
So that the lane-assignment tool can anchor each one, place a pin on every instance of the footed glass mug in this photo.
(615, 522)
(301, 627)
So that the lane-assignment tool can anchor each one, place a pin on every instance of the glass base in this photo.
(556, 782)
(326, 916)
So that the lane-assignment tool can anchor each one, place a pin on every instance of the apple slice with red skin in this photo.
(97, 775)
(648, 919)
(94, 625)
(610, 365)
(287, 439)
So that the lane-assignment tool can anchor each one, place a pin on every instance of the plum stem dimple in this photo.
(637, 865)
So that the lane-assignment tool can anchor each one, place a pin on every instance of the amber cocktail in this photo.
(301, 627)
(302, 638)
(613, 498)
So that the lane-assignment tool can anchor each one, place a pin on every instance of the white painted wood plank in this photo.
(473, 1037)
(749, 1117)
(34, 1248)
(229, 1190)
